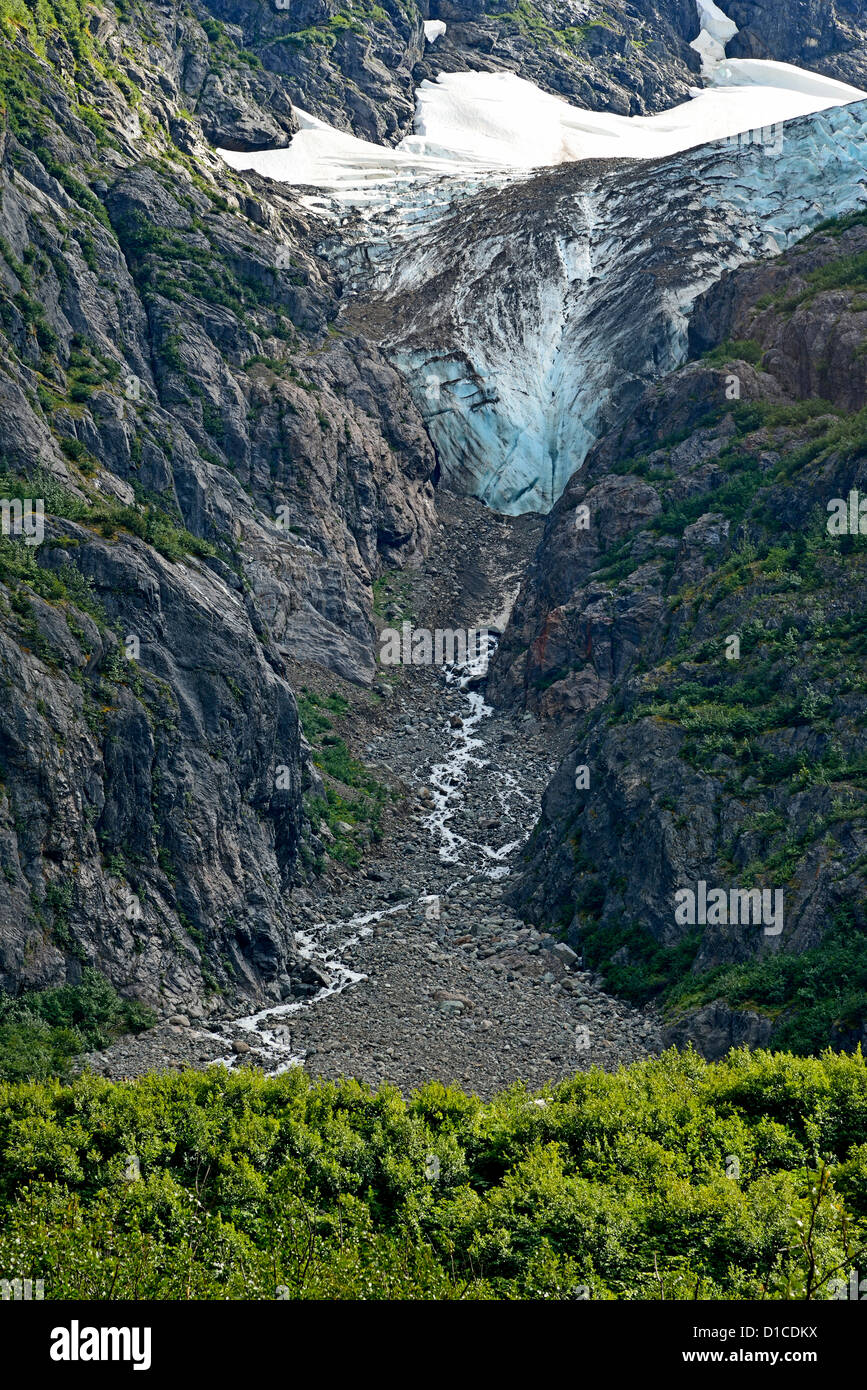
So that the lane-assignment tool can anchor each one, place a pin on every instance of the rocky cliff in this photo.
(357, 64)
(825, 35)
(693, 620)
(224, 476)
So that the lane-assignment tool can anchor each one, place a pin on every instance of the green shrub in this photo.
(42, 1031)
(735, 350)
(615, 1187)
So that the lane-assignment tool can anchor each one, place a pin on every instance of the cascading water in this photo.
(448, 778)
(327, 944)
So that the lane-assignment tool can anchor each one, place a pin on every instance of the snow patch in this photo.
(716, 32)
(710, 51)
(501, 120)
(482, 124)
(758, 74)
(433, 29)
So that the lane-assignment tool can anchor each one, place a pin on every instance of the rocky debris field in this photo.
(417, 968)
(476, 997)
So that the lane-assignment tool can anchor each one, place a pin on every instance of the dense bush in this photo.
(42, 1031)
(675, 1178)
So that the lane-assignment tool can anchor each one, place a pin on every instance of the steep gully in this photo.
(442, 981)
(429, 974)
(422, 971)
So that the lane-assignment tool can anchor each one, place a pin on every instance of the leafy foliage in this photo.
(340, 812)
(674, 1178)
(42, 1031)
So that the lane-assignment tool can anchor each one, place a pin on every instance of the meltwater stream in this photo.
(326, 944)
(448, 779)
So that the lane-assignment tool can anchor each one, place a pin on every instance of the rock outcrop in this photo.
(825, 35)
(224, 476)
(693, 620)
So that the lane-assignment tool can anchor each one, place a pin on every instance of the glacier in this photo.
(527, 320)
(535, 264)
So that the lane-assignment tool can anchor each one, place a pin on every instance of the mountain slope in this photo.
(224, 477)
(737, 764)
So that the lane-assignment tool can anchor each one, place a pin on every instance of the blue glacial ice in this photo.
(529, 308)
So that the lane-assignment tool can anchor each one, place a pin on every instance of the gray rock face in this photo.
(153, 839)
(715, 1029)
(351, 64)
(357, 66)
(824, 35)
(224, 477)
(696, 758)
